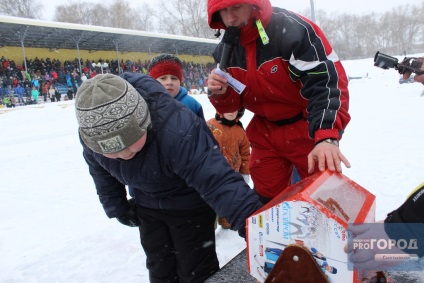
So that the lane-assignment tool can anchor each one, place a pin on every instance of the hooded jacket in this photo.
(233, 143)
(179, 168)
(296, 72)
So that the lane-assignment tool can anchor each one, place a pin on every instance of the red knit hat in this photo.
(166, 64)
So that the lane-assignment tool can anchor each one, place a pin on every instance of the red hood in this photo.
(263, 11)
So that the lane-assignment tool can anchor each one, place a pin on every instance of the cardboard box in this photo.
(315, 213)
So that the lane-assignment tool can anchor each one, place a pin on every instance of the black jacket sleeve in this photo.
(112, 193)
(398, 222)
(411, 211)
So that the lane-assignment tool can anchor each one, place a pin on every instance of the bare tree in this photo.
(144, 18)
(98, 15)
(121, 15)
(406, 28)
(418, 18)
(399, 31)
(367, 36)
(393, 32)
(74, 12)
(118, 15)
(185, 17)
(21, 8)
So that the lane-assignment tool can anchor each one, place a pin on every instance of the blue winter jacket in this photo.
(179, 168)
(190, 102)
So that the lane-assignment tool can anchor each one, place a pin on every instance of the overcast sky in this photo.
(356, 6)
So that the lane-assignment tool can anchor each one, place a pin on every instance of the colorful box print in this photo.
(315, 213)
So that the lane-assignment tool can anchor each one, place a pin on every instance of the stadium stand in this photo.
(60, 53)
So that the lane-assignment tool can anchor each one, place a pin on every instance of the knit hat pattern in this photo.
(166, 64)
(111, 114)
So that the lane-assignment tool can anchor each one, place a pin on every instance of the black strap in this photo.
(288, 121)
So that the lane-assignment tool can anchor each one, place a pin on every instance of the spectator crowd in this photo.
(53, 80)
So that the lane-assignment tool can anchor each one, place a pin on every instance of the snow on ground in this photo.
(53, 228)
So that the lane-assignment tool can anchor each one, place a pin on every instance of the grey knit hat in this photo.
(111, 114)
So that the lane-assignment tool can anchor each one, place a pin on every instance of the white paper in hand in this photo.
(235, 84)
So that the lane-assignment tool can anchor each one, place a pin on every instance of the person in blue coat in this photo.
(19, 91)
(133, 133)
(168, 70)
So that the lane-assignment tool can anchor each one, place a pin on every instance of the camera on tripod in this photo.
(411, 64)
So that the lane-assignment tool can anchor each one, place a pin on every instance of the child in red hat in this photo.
(168, 70)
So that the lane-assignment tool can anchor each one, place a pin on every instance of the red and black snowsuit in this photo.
(295, 85)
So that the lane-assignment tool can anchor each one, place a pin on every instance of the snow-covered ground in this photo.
(53, 228)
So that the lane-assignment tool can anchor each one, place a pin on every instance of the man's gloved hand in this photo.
(130, 218)
(411, 65)
(246, 178)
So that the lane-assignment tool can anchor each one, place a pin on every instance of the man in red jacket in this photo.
(295, 85)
